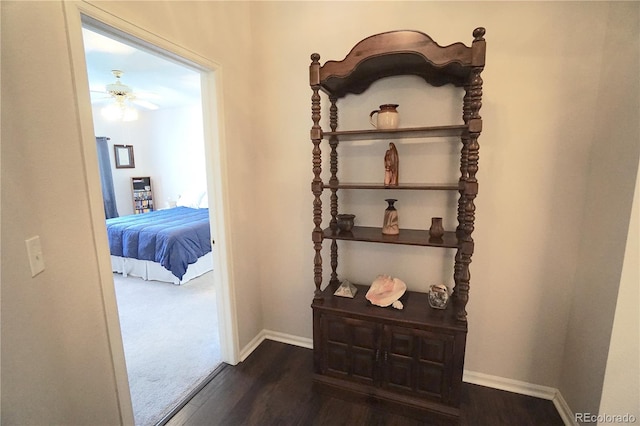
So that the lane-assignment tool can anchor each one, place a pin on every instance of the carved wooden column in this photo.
(316, 184)
(464, 161)
(333, 183)
(469, 162)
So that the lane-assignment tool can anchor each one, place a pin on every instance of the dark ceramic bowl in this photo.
(345, 222)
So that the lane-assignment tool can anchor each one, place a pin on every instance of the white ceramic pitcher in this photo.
(387, 117)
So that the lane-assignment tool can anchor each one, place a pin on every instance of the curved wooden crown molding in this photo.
(413, 52)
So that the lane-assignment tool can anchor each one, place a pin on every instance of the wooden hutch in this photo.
(410, 359)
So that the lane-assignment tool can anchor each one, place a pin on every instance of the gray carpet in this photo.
(170, 341)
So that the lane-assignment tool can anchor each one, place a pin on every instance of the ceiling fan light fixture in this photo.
(123, 98)
(118, 89)
(129, 114)
(112, 112)
(119, 111)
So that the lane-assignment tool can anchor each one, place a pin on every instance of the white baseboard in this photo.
(289, 339)
(523, 388)
(509, 385)
(568, 417)
(495, 382)
(277, 337)
(251, 346)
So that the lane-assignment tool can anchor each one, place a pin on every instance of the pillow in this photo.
(204, 202)
(190, 198)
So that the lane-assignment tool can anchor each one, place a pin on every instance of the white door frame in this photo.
(213, 118)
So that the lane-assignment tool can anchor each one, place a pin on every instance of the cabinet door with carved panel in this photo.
(351, 349)
(417, 362)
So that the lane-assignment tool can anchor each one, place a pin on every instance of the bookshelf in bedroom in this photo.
(142, 194)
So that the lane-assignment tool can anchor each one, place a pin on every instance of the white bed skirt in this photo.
(153, 271)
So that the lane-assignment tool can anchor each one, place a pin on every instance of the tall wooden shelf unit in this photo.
(410, 359)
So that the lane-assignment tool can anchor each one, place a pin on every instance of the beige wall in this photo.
(56, 361)
(544, 85)
(610, 181)
(548, 112)
(621, 389)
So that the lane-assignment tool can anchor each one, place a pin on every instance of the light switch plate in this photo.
(34, 251)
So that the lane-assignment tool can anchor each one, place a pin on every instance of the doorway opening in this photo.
(152, 105)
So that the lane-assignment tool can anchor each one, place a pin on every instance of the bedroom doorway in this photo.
(161, 322)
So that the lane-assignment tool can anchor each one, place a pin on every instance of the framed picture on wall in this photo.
(124, 156)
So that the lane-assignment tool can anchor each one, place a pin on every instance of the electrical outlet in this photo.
(34, 251)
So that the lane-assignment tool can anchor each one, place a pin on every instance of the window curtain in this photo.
(106, 178)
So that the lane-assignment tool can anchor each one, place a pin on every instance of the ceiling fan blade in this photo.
(146, 95)
(99, 98)
(145, 104)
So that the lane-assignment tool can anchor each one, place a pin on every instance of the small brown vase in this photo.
(436, 232)
(390, 225)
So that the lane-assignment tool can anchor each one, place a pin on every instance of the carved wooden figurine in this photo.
(391, 163)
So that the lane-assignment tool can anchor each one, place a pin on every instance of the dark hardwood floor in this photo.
(273, 386)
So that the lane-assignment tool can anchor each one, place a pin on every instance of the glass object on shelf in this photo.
(346, 289)
(438, 296)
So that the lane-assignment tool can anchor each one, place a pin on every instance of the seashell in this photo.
(385, 290)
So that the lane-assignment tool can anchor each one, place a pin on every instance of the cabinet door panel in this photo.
(350, 348)
(433, 349)
(401, 343)
(363, 337)
(399, 372)
(430, 379)
(336, 331)
(337, 359)
(363, 364)
(416, 361)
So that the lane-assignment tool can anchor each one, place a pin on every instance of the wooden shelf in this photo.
(416, 310)
(402, 133)
(411, 237)
(364, 351)
(406, 186)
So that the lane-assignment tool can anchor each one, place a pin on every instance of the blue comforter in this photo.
(174, 237)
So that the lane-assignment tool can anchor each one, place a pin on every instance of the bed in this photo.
(171, 245)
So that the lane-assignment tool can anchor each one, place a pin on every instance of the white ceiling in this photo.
(152, 78)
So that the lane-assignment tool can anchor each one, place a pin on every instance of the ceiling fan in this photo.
(122, 99)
